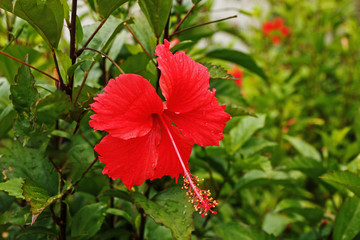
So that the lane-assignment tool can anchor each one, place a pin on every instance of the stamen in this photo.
(199, 198)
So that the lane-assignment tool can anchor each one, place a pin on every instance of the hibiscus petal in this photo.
(189, 104)
(133, 160)
(169, 162)
(182, 79)
(204, 124)
(125, 108)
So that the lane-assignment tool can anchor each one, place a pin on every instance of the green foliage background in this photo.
(287, 168)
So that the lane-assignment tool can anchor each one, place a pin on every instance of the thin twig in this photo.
(79, 52)
(18, 60)
(202, 24)
(55, 166)
(85, 172)
(183, 19)
(137, 40)
(73, 32)
(83, 83)
(103, 54)
(57, 68)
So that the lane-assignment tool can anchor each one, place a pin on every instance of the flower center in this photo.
(199, 198)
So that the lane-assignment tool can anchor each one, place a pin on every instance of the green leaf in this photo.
(275, 223)
(7, 116)
(79, 31)
(23, 92)
(38, 197)
(49, 109)
(347, 222)
(157, 13)
(22, 162)
(217, 72)
(235, 230)
(170, 208)
(255, 144)
(120, 213)
(304, 148)
(348, 179)
(238, 58)
(244, 130)
(23, 96)
(146, 37)
(118, 193)
(46, 16)
(182, 45)
(309, 166)
(106, 7)
(312, 212)
(235, 110)
(13, 187)
(259, 178)
(9, 67)
(88, 220)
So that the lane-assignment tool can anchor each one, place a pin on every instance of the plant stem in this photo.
(36, 69)
(202, 24)
(111, 60)
(86, 171)
(137, 40)
(143, 214)
(183, 19)
(79, 52)
(62, 85)
(82, 83)
(73, 31)
(72, 42)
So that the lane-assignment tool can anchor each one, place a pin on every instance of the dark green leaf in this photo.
(37, 231)
(10, 67)
(255, 144)
(312, 212)
(118, 193)
(304, 148)
(245, 129)
(235, 110)
(13, 187)
(146, 37)
(170, 208)
(347, 223)
(49, 109)
(47, 17)
(23, 92)
(309, 166)
(237, 57)
(39, 198)
(218, 73)
(22, 162)
(157, 13)
(88, 220)
(348, 179)
(182, 45)
(234, 230)
(106, 7)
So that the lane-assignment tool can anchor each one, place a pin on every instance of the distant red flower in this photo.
(149, 138)
(276, 30)
(237, 73)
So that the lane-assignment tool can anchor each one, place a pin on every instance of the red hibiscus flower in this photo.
(237, 73)
(149, 138)
(276, 30)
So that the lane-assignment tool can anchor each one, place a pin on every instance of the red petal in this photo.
(182, 80)
(204, 124)
(169, 162)
(125, 108)
(189, 103)
(133, 160)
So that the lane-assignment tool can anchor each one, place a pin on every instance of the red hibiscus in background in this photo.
(237, 73)
(276, 30)
(149, 138)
